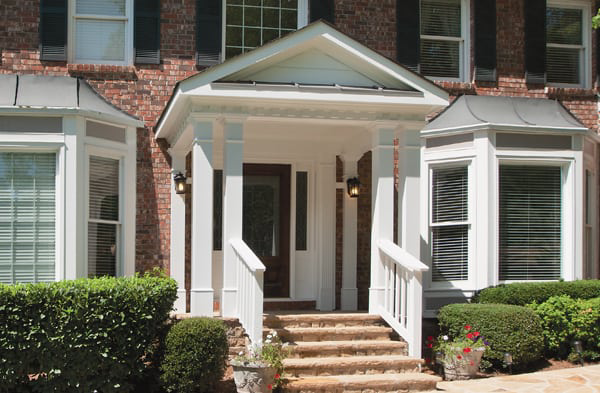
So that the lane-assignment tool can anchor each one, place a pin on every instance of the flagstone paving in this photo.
(571, 380)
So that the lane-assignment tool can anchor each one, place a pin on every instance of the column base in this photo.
(179, 305)
(201, 302)
(327, 302)
(228, 302)
(375, 299)
(349, 299)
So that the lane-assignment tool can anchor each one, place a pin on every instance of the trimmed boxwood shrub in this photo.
(508, 328)
(82, 335)
(524, 293)
(564, 320)
(195, 353)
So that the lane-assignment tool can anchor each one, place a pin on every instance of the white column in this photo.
(177, 262)
(233, 158)
(201, 293)
(382, 206)
(409, 211)
(349, 292)
(326, 235)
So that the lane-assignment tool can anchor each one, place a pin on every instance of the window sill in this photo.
(126, 72)
(558, 92)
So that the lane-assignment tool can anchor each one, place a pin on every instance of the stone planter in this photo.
(466, 367)
(251, 378)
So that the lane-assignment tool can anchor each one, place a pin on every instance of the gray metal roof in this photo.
(504, 113)
(57, 92)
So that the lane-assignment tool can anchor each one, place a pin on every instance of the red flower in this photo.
(427, 360)
(430, 345)
(472, 363)
(429, 338)
(468, 327)
(458, 357)
(470, 336)
(467, 350)
(476, 334)
(270, 387)
(277, 376)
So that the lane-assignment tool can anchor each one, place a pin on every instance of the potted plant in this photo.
(461, 356)
(260, 367)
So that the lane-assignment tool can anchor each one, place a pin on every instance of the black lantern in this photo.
(180, 183)
(353, 187)
(578, 347)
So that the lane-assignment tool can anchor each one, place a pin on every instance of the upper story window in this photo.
(566, 43)
(443, 37)
(102, 31)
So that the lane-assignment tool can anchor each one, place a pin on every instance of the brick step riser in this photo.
(351, 370)
(296, 337)
(387, 388)
(321, 353)
(320, 324)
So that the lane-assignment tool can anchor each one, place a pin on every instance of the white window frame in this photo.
(585, 62)
(72, 24)
(464, 54)
(302, 21)
(120, 246)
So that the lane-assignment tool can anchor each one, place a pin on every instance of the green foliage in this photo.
(522, 294)
(596, 20)
(269, 354)
(507, 328)
(565, 320)
(195, 354)
(82, 335)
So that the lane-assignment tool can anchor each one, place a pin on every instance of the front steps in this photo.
(337, 353)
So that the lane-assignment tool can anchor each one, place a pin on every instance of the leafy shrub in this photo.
(507, 328)
(195, 354)
(522, 294)
(82, 335)
(565, 320)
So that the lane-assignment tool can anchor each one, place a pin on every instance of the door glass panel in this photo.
(261, 214)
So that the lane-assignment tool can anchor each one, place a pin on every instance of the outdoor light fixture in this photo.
(508, 361)
(439, 362)
(180, 183)
(353, 187)
(578, 347)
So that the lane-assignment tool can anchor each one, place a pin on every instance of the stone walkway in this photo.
(570, 380)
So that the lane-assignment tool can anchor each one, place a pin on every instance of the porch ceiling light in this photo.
(180, 183)
(353, 187)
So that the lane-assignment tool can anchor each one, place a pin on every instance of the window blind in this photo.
(103, 223)
(564, 39)
(450, 230)
(530, 222)
(27, 217)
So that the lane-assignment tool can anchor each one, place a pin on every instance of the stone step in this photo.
(332, 333)
(305, 349)
(274, 321)
(350, 365)
(405, 382)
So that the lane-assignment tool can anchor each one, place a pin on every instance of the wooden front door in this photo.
(266, 223)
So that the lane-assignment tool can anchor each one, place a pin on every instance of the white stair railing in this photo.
(402, 306)
(250, 276)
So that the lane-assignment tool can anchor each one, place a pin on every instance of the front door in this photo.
(266, 223)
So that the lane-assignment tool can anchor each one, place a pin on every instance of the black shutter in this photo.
(53, 30)
(485, 40)
(535, 41)
(147, 31)
(209, 31)
(322, 9)
(408, 34)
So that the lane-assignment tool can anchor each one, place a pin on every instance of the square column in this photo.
(233, 189)
(349, 292)
(382, 206)
(201, 293)
(177, 261)
(409, 175)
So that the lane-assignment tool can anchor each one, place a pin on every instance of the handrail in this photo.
(249, 298)
(402, 303)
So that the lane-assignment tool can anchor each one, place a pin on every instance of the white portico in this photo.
(267, 127)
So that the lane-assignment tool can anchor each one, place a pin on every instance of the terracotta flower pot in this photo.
(460, 365)
(251, 378)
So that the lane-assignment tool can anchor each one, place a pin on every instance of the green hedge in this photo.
(565, 320)
(82, 335)
(522, 294)
(195, 353)
(508, 328)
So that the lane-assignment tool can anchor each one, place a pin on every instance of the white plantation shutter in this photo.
(27, 217)
(450, 229)
(103, 222)
(530, 222)
(564, 40)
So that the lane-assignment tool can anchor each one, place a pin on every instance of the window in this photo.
(530, 222)
(449, 223)
(27, 217)
(301, 210)
(104, 217)
(565, 44)
(443, 39)
(102, 31)
(252, 23)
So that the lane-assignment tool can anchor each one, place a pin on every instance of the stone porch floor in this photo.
(571, 380)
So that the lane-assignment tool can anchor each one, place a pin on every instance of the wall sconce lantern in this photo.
(180, 183)
(353, 187)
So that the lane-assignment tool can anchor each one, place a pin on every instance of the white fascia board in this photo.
(62, 111)
(503, 127)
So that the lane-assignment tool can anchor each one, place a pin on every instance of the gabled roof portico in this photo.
(300, 101)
